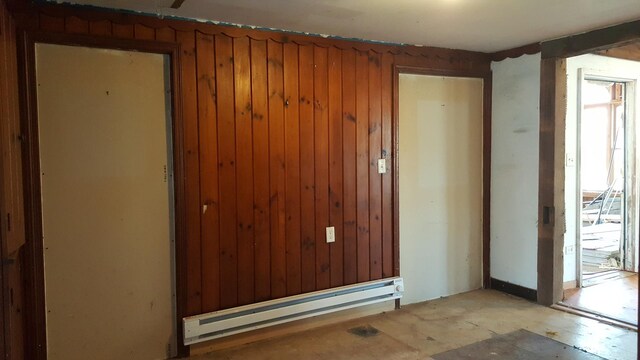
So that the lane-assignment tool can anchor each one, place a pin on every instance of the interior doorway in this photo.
(440, 158)
(105, 149)
(601, 276)
(603, 178)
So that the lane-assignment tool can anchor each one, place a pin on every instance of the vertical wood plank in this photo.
(19, 236)
(192, 169)
(142, 32)
(12, 203)
(166, 34)
(261, 215)
(124, 31)
(277, 165)
(9, 131)
(100, 27)
(349, 165)
(321, 119)
(307, 170)
(210, 248)
(486, 179)
(336, 217)
(74, 25)
(226, 171)
(244, 169)
(292, 166)
(362, 163)
(5, 141)
(375, 179)
(387, 178)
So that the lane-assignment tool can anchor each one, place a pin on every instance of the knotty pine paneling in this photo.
(12, 230)
(282, 137)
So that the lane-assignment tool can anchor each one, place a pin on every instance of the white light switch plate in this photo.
(382, 166)
(331, 234)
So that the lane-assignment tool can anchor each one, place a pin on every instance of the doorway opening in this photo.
(106, 202)
(602, 178)
(440, 177)
(103, 161)
(600, 272)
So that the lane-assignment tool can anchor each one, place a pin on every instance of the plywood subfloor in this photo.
(617, 299)
(424, 330)
(519, 344)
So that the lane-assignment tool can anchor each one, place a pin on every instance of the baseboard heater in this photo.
(222, 323)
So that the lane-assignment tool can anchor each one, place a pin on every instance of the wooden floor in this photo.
(617, 299)
(486, 323)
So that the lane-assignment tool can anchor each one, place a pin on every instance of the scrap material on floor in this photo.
(616, 298)
(431, 329)
(600, 247)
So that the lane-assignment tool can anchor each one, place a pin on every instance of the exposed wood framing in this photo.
(591, 41)
(627, 52)
(551, 211)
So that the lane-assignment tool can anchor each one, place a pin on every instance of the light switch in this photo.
(331, 234)
(382, 166)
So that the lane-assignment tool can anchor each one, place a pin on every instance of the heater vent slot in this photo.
(255, 316)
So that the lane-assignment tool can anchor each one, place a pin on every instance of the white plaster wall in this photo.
(514, 170)
(599, 64)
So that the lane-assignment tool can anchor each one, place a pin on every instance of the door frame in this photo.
(486, 76)
(551, 173)
(630, 184)
(35, 306)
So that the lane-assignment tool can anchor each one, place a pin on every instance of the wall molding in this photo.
(513, 289)
(517, 52)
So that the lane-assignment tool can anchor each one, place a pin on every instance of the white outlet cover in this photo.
(331, 234)
(570, 160)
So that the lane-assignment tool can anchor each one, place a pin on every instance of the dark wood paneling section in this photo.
(12, 235)
(282, 136)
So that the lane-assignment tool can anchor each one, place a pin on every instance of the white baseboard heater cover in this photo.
(222, 323)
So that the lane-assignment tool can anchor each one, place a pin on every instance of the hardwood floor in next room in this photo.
(615, 298)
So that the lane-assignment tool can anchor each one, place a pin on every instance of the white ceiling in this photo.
(481, 25)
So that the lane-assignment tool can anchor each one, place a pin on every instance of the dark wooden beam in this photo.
(177, 3)
(591, 41)
(553, 85)
(626, 52)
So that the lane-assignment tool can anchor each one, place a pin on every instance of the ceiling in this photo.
(480, 25)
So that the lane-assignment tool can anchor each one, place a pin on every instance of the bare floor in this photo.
(435, 328)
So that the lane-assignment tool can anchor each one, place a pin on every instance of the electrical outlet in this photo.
(331, 234)
(382, 166)
(569, 249)
(570, 160)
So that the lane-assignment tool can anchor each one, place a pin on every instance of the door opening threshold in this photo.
(594, 316)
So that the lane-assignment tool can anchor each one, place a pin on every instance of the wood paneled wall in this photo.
(282, 137)
(285, 137)
(12, 234)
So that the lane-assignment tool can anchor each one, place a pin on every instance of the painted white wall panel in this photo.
(440, 160)
(514, 170)
(106, 203)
